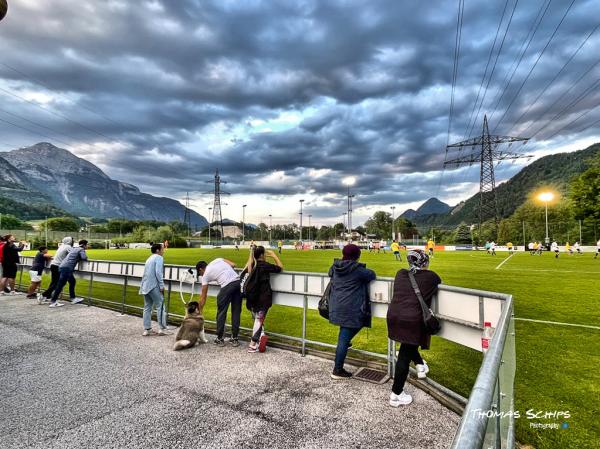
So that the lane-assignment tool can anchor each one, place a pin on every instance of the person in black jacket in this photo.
(349, 304)
(260, 299)
(405, 321)
(10, 262)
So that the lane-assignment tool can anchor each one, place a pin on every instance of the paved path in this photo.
(82, 377)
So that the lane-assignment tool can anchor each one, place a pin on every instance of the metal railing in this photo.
(487, 421)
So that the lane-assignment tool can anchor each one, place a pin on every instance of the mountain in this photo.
(49, 174)
(429, 207)
(555, 171)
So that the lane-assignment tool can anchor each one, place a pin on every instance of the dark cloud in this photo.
(168, 91)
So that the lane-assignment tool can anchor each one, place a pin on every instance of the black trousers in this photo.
(406, 354)
(230, 294)
(53, 282)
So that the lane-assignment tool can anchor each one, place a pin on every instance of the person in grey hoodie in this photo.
(65, 269)
(349, 304)
(61, 253)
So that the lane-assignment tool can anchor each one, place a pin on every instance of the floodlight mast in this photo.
(484, 151)
(349, 181)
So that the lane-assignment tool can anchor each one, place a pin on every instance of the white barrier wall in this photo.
(462, 311)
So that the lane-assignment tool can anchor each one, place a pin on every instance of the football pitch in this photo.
(557, 311)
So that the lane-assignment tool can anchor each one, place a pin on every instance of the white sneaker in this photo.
(148, 332)
(56, 304)
(396, 400)
(162, 332)
(77, 300)
(422, 370)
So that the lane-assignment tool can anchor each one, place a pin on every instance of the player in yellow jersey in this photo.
(430, 247)
(509, 245)
(396, 250)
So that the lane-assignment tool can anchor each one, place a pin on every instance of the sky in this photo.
(288, 98)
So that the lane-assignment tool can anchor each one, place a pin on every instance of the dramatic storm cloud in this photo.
(287, 98)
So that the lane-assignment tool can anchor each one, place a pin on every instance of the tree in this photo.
(380, 224)
(67, 224)
(463, 234)
(8, 221)
(585, 192)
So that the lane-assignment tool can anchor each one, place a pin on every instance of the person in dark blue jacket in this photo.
(349, 304)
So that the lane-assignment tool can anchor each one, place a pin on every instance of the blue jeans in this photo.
(154, 298)
(64, 275)
(344, 338)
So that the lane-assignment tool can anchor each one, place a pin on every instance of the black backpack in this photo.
(249, 283)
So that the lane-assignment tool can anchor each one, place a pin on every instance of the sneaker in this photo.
(162, 332)
(340, 374)
(422, 370)
(219, 342)
(148, 332)
(56, 304)
(262, 342)
(234, 342)
(396, 400)
(77, 300)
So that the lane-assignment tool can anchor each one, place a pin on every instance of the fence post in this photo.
(21, 278)
(90, 288)
(124, 295)
(304, 310)
(169, 288)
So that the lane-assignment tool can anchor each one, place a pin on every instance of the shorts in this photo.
(9, 270)
(396, 252)
(34, 276)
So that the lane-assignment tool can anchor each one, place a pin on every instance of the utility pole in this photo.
(309, 217)
(270, 229)
(301, 201)
(484, 151)
(209, 222)
(244, 222)
(393, 224)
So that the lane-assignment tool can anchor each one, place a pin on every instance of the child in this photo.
(37, 269)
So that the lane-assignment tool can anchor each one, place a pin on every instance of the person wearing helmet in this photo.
(405, 321)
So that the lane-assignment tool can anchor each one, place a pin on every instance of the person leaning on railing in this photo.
(349, 305)
(405, 321)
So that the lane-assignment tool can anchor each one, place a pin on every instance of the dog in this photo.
(191, 331)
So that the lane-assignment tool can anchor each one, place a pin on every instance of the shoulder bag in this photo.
(432, 324)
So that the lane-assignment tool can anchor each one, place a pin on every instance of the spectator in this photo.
(153, 288)
(65, 270)
(260, 299)
(61, 253)
(10, 262)
(2, 243)
(221, 272)
(349, 305)
(405, 321)
(37, 269)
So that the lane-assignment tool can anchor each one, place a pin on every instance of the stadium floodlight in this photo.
(349, 181)
(244, 222)
(301, 201)
(546, 197)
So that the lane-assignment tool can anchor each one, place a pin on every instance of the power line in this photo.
(494, 66)
(487, 66)
(55, 94)
(28, 130)
(555, 76)
(459, 22)
(571, 122)
(535, 64)
(581, 96)
(56, 114)
(583, 75)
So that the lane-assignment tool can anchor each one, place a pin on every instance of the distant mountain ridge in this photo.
(431, 206)
(46, 174)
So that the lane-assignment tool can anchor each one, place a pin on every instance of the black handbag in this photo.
(324, 302)
(432, 324)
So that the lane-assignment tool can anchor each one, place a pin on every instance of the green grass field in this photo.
(557, 365)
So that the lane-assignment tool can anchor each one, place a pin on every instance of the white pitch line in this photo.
(555, 271)
(504, 261)
(559, 323)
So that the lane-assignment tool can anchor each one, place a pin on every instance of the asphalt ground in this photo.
(84, 377)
